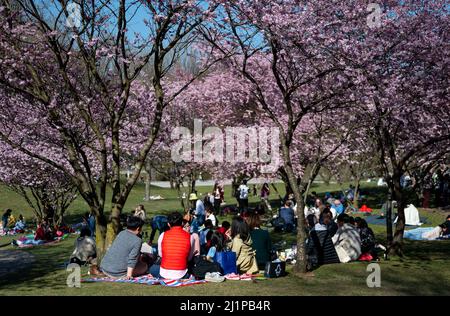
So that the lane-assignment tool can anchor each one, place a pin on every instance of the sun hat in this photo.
(193, 197)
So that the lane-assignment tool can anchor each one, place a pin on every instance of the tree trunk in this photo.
(101, 227)
(397, 244)
(147, 186)
(301, 264)
(389, 218)
(356, 193)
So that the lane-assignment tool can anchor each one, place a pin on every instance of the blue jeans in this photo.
(154, 271)
(196, 223)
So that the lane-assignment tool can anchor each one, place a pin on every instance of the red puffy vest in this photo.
(176, 245)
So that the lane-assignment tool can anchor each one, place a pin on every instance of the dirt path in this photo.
(14, 260)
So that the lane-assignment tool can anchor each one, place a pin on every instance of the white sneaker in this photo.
(214, 277)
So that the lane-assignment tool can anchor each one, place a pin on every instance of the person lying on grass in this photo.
(176, 249)
(123, 259)
(441, 231)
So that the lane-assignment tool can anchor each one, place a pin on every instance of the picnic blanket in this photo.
(417, 234)
(29, 242)
(10, 232)
(147, 280)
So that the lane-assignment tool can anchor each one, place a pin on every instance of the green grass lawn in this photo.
(424, 271)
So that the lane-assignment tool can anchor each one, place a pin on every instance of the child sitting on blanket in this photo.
(217, 243)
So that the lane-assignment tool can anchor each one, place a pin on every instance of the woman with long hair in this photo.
(241, 243)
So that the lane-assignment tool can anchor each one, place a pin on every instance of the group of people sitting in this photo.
(341, 241)
(179, 249)
(11, 226)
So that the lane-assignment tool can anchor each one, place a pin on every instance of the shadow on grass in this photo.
(47, 271)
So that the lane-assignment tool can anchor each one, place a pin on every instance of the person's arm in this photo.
(160, 239)
(133, 258)
(194, 249)
(236, 246)
(211, 254)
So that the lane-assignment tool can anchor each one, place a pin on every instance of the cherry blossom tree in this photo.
(403, 66)
(81, 72)
(47, 191)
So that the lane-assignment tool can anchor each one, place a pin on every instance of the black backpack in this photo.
(203, 266)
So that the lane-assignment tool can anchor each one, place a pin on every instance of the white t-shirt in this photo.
(213, 219)
(243, 191)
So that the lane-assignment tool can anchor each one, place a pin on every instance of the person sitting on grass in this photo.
(158, 223)
(338, 207)
(140, 212)
(224, 228)
(123, 259)
(203, 234)
(241, 243)
(347, 240)
(20, 225)
(175, 250)
(210, 216)
(367, 237)
(85, 252)
(217, 243)
(44, 232)
(262, 243)
(326, 218)
(288, 215)
(320, 248)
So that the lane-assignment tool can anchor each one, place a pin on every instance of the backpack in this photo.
(203, 266)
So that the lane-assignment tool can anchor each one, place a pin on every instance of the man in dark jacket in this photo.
(288, 215)
(320, 248)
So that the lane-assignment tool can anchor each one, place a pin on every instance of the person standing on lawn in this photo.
(199, 212)
(243, 196)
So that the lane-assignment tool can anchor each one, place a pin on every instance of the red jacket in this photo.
(176, 246)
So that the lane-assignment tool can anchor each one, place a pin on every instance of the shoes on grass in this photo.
(214, 277)
(246, 277)
(233, 277)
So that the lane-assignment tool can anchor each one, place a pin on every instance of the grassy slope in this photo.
(425, 270)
